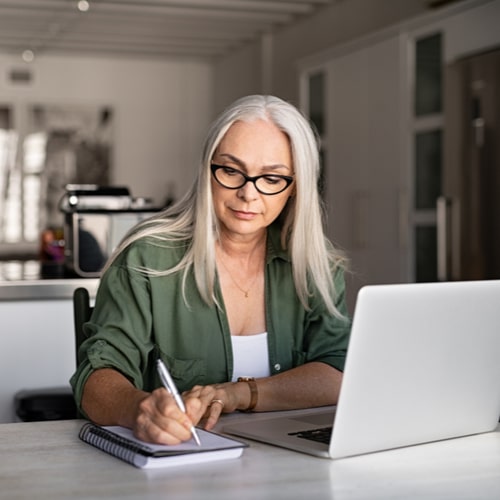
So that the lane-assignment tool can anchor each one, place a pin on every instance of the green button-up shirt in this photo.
(139, 317)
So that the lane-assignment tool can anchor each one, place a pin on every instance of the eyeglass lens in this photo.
(234, 179)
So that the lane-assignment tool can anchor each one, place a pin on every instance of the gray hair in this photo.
(193, 219)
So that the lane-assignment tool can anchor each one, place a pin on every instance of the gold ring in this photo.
(219, 401)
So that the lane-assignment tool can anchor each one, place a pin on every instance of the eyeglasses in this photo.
(268, 184)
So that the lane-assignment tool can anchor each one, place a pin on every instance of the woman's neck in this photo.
(242, 249)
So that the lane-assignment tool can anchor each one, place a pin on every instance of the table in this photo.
(47, 460)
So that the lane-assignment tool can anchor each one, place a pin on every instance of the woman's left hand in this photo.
(215, 399)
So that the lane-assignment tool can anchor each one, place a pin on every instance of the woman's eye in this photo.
(230, 171)
(271, 179)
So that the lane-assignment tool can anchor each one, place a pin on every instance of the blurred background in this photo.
(404, 94)
(104, 105)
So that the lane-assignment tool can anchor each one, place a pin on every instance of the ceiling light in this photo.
(83, 6)
(28, 56)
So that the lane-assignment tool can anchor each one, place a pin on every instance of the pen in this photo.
(172, 389)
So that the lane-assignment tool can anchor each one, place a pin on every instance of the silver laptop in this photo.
(423, 365)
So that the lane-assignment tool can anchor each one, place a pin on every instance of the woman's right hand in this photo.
(160, 420)
(111, 399)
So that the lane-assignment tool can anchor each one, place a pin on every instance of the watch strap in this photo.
(254, 393)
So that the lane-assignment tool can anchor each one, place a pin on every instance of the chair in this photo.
(81, 314)
(56, 403)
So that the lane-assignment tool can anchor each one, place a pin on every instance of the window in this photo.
(43, 148)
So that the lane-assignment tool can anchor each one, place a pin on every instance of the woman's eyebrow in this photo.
(242, 164)
(232, 158)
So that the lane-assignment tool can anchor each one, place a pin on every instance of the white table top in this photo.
(47, 460)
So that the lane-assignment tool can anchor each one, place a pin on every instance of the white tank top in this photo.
(250, 356)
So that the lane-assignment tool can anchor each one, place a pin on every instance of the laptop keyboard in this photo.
(321, 435)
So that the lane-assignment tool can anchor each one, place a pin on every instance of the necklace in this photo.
(245, 292)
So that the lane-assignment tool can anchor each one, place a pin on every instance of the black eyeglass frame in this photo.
(287, 178)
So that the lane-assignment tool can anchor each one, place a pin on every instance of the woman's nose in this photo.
(248, 191)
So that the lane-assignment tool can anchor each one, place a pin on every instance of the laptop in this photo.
(423, 365)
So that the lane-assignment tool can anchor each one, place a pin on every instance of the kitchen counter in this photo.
(37, 333)
(31, 280)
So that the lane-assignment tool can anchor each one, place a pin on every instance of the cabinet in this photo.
(37, 337)
(382, 139)
(364, 179)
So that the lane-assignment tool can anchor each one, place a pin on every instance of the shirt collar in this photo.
(274, 248)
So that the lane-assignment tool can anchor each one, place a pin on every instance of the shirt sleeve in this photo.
(327, 336)
(119, 330)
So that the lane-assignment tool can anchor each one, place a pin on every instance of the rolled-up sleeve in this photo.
(119, 331)
(326, 336)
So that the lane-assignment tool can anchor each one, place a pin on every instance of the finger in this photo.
(195, 409)
(161, 421)
(214, 413)
(167, 430)
(207, 395)
(167, 407)
(195, 391)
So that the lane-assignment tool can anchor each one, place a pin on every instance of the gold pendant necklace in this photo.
(245, 292)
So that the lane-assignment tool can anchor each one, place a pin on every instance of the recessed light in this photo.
(83, 6)
(28, 56)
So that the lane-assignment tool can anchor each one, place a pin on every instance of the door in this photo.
(469, 210)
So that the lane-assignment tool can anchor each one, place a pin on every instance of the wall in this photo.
(162, 110)
(472, 31)
(237, 74)
(337, 23)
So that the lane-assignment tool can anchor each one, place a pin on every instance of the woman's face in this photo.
(254, 148)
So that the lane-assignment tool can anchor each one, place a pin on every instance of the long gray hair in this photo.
(193, 220)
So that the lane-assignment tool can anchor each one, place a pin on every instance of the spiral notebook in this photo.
(121, 443)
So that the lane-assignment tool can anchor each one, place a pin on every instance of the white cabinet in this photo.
(364, 176)
(37, 348)
(37, 339)
(363, 161)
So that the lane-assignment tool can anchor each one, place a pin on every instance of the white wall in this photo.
(238, 74)
(162, 110)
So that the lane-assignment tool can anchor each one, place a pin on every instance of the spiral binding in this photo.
(117, 446)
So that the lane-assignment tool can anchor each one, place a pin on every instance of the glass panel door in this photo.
(427, 154)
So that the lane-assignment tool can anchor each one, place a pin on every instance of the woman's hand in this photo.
(111, 399)
(160, 420)
(217, 399)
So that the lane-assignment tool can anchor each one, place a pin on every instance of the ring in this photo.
(219, 401)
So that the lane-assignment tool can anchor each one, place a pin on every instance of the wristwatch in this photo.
(254, 393)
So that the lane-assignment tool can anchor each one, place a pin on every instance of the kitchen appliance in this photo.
(95, 221)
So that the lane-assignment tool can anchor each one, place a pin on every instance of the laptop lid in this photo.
(423, 365)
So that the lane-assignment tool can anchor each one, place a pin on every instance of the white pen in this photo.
(169, 384)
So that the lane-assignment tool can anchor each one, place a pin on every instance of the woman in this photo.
(236, 280)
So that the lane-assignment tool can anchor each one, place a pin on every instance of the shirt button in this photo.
(277, 367)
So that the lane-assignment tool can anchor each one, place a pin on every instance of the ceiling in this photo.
(142, 28)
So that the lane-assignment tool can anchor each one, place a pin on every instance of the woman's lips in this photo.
(244, 215)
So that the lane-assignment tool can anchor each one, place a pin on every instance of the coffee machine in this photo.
(96, 218)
